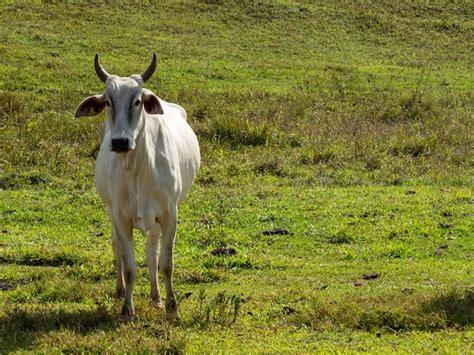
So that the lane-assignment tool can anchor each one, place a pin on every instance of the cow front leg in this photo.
(165, 263)
(120, 282)
(125, 236)
(152, 261)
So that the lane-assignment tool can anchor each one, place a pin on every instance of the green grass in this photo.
(349, 124)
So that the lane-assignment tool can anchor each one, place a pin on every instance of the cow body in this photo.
(148, 159)
(159, 172)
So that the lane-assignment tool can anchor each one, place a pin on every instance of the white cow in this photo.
(146, 165)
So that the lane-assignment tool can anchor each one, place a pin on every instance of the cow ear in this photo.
(151, 103)
(91, 106)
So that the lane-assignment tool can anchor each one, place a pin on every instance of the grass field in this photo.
(347, 127)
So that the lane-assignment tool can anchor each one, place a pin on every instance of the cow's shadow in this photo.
(20, 327)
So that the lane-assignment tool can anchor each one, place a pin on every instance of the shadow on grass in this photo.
(20, 327)
(39, 258)
(399, 313)
(456, 307)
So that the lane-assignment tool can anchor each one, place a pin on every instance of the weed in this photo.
(233, 262)
(11, 285)
(270, 167)
(340, 237)
(13, 181)
(373, 163)
(319, 157)
(215, 224)
(10, 105)
(222, 309)
(414, 149)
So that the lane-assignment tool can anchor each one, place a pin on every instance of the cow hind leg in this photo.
(165, 263)
(152, 261)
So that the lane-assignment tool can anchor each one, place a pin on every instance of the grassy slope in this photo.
(346, 123)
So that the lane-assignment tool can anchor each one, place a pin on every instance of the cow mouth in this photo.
(120, 150)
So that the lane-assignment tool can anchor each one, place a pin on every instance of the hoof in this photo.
(126, 319)
(156, 302)
(128, 311)
(172, 313)
(157, 305)
(173, 317)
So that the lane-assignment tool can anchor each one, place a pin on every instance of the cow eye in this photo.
(138, 102)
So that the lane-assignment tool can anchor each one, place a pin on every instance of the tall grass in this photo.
(319, 83)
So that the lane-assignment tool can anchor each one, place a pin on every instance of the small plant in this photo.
(229, 262)
(214, 223)
(322, 156)
(222, 309)
(372, 163)
(414, 149)
(340, 237)
(270, 167)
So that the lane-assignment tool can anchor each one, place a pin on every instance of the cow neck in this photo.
(134, 165)
(133, 160)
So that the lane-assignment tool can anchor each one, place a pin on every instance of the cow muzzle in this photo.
(120, 145)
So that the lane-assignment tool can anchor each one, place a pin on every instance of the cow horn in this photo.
(151, 69)
(102, 74)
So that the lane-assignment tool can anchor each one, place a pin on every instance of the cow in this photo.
(147, 162)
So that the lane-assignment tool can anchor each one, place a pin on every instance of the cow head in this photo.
(125, 100)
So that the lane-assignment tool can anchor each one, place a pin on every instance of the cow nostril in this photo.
(120, 145)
